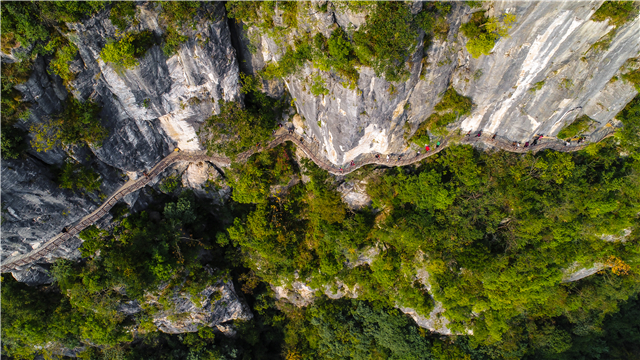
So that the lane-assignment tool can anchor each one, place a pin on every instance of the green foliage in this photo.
(172, 41)
(448, 110)
(498, 221)
(13, 107)
(77, 123)
(289, 63)
(537, 86)
(35, 319)
(65, 52)
(633, 77)
(318, 86)
(252, 180)
(27, 23)
(235, 129)
(618, 12)
(353, 329)
(629, 134)
(178, 13)
(13, 142)
(123, 14)
(566, 84)
(21, 25)
(482, 32)
(123, 53)
(169, 184)
(386, 40)
(74, 176)
(578, 126)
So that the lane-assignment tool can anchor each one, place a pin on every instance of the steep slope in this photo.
(549, 42)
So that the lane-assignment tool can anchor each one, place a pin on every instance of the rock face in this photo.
(354, 194)
(550, 42)
(160, 104)
(219, 304)
(179, 93)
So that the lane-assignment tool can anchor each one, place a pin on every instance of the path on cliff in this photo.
(312, 150)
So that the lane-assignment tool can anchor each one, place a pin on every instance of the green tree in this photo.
(77, 123)
(482, 32)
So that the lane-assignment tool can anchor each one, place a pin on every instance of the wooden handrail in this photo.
(368, 159)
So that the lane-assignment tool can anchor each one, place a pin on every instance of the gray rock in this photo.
(34, 275)
(218, 305)
(354, 194)
(575, 272)
(550, 42)
(37, 208)
(129, 307)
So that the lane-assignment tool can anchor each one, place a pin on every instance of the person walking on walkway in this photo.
(437, 144)
(494, 137)
(427, 148)
(387, 158)
(479, 133)
(469, 133)
(378, 156)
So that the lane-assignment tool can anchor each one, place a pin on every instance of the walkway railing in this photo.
(310, 147)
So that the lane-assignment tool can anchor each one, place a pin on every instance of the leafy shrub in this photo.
(386, 39)
(448, 110)
(633, 77)
(169, 184)
(13, 142)
(252, 181)
(123, 14)
(123, 53)
(537, 86)
(13, 107)
(235, 129)
(629, 134)
(291, 61)
(77, 123)
(618, 12)
(34, 319)
(176, 13)
(75, 176)
(21, 25)
(65, 51)
(172, 41)
(482, 32)
(371, 329)
(318, 86)
(578, 126)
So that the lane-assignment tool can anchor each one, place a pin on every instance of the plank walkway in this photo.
(312, 150)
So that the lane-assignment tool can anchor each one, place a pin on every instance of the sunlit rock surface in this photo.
(550, 42)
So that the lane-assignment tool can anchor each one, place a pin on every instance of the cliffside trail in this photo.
(310, 147)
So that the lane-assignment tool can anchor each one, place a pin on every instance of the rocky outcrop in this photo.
(218, 305)
(550, 42)
(148, 111)
(354, 194)
(576, 272)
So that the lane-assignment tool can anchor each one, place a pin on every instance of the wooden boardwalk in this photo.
(312, 150)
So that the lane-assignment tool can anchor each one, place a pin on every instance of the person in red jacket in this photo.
(427, 148)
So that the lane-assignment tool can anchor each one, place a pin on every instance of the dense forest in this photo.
(496, 233)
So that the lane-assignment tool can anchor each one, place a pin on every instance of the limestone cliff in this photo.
(550, 42)
(160, 104)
